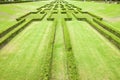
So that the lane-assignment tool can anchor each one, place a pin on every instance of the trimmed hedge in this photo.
(64, 12)
(91, 14)
(95, 16)
(42, 12)
(68, 19)
(23, 16)
(18, 19)
(11, 2)
(43, 16)
(11, 35)
(50, 19)
(76, 12)
(63, 8)
(111, 37)
(54, 11)
(2, 34)
(9, 38)
(47, 66)
(107, 27)
(71, 63)
(79, 18)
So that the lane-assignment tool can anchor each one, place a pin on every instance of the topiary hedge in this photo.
(71, 63)
(2, 34)
(107, 27)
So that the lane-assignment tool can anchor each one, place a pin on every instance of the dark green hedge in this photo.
(11, 2)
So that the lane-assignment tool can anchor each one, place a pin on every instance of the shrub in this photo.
(68, 19)
(42, 12)
(71, 64)
(64, 12)
(95, 16)
(50, 19)
(11, 28)
(23, 16)
(112, 38)
(107, 27)
(13, 34)
(78, 17)
(46, 72)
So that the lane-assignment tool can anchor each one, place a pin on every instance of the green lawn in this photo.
(9, 12)
(47, 49)
(24, 61)
(93, 53)
(109, 12)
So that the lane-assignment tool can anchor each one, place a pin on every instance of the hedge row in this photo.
(63, 8)
(107, 27)
(63, 12)
(80, 18)
(41, 7)
(18, 19)
(10, 2)
(40, 18)
(54, 11)
(9, 36)
(23, 16)
(75, 11)
(95, 16)
(2, 34)
(71, 64)
(69, 18)
(50, 18)
(13, 34)
(111, 37)
(91, 14)
(47, 66)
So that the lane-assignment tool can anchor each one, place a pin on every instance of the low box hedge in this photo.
(2, 34)
(107, 27)
(111, 37)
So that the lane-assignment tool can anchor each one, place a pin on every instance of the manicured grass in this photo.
(24, 61)
(109, 12)
(102, 9)
(9, 12)
(59, 67)
(60, 46)
(93, 53)
(13, 11)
